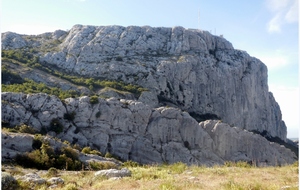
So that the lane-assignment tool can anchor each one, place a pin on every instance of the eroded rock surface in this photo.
(190, 69)
(132, 130)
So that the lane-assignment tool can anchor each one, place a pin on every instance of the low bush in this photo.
(46, 157)
(56, 126)
(102, 165)
(52, 172)
(88, 150)
(130, 163)
(94, 100)
(70, 116)
(239, 164)
(26, 129)
(108, 155)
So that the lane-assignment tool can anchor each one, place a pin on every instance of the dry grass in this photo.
(179, 176)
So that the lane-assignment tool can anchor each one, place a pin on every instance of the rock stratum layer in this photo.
(191, 77)
(132, 130)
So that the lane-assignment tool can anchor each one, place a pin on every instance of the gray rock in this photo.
(33, 178)
(12, 144)
(55, 180)
(8, 182)
(12, 41)
(235, 144)
(124, 172)
(190, 69)
(132, 130)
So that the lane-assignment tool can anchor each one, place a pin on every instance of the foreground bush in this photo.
(46, 157)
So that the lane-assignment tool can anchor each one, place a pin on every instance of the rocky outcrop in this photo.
(20, 143)
(33, 178)
(189, 69)
(132, 130)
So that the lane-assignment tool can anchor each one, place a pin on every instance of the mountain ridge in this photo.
(190, 70)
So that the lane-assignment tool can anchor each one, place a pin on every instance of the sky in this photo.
(266, 29)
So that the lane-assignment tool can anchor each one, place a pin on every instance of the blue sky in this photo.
(266, 29)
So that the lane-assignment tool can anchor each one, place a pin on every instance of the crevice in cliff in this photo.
(34, 112)
(203, 117)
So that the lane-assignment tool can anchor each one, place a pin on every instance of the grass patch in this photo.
(180, 177)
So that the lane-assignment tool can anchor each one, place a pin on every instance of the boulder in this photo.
(33, 178)
(114, 173)
(55, 181)
(13, 144)
(8, 182)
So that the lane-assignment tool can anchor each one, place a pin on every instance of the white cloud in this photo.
(292, 14)
(284, 12)
(288, 100)
(275, 24)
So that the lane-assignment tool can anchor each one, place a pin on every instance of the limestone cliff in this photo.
(190, 69)
(132, 130)
(203, 97)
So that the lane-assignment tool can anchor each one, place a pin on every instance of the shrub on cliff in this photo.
(94, 100)
(88, 150)
(56, 126)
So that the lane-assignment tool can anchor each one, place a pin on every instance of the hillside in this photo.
(152, 95)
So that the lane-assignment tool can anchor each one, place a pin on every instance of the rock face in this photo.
(203, 96)
(190, 69)
(133, 130)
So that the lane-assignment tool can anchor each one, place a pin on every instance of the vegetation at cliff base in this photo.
(177, 176)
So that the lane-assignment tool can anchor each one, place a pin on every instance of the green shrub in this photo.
(178, 168)
(52, 172)
(37, 142)
(29, 86)
(296, 164)
(70, 186)
(44, 157)
(130, 163)
(94, 100)
(240, 164)
(102, 165)
(108, 155)
(56, 126)
(86, 150)
(70, 116)
(70, 152)
(96, 152)
(26, 129)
